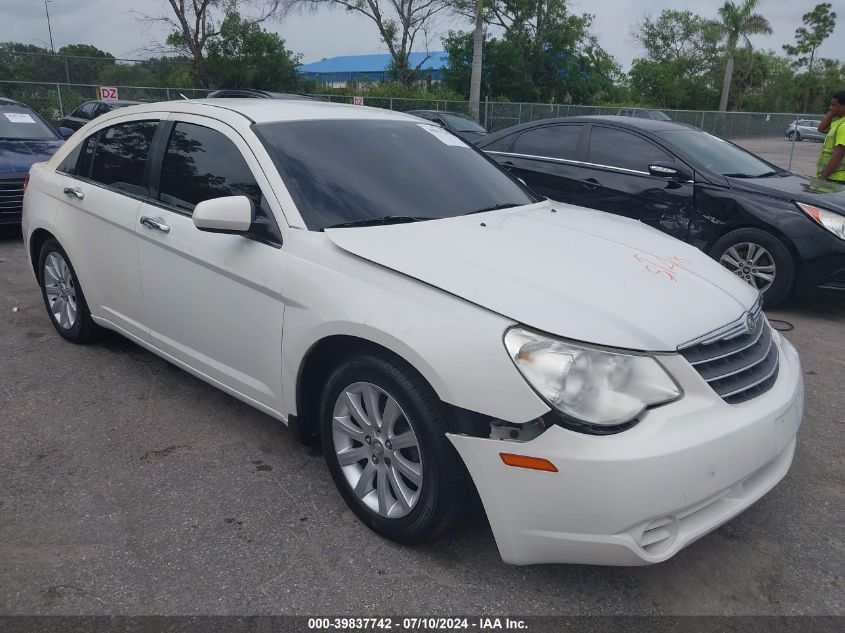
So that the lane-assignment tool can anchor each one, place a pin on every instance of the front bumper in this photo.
(640, 496)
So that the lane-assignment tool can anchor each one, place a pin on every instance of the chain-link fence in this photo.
(54, 100)
(497, 115)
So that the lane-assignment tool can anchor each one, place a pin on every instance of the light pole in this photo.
(49, 28)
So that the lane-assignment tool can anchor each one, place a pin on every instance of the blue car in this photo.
(25, 138)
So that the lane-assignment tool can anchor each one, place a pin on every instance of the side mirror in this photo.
(230, 214)
(670, 171)
(65, 132)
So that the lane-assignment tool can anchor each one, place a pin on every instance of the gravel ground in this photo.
(130, 487)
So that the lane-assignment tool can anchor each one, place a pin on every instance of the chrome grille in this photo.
(11, 196)
(737, 362)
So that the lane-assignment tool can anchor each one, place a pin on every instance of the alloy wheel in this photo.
(60, 291)
(752, 263)
(377, 450)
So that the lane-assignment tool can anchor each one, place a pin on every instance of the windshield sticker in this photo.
(18, 117)
(442, 135)
(661, 265)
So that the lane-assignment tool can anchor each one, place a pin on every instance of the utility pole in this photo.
(49, 28)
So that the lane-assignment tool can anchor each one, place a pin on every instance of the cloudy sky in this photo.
(113, 25)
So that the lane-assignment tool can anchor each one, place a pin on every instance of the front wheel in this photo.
(384, 431)
(760, 259)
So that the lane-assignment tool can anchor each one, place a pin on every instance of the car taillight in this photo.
(25, 182)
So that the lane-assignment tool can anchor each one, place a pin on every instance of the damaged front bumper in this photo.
(639, 496)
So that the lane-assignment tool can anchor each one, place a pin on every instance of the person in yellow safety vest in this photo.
(831, 165)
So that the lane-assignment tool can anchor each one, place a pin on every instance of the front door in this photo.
(213, 301)
(616, 178)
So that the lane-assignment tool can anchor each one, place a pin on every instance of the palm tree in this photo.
(477, 45)
(738, 21)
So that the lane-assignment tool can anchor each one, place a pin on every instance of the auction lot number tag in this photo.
(19, 117)
(357, 100)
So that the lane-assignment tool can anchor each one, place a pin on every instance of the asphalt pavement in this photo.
(131, 487)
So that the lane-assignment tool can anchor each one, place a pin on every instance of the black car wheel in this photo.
(383, 431)
(760, 259)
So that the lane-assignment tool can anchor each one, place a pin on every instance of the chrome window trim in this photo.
(581, 163)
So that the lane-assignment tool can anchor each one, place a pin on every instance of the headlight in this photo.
(589, 385)
(833, 222)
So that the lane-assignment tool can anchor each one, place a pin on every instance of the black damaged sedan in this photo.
(778, 231)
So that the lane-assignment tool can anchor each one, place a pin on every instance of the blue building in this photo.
(337, 71)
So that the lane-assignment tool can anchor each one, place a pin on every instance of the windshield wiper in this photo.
(387, 219)
(492, 207)
(766, 174)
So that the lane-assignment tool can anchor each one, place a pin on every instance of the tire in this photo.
(797, 136)
(791, 135)
(63, 295)
(775, 259)
(438, 503)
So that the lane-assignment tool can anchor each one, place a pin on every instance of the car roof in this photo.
(646, 125)
(270, 110)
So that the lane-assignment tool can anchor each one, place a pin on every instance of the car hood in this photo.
(18, 156)
(573, 272)
(799, 188)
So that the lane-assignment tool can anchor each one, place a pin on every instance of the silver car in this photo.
(804, 128)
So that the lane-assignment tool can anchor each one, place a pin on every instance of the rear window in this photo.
(356, 170)
(17, 122)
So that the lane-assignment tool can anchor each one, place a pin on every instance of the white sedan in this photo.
(383, 288)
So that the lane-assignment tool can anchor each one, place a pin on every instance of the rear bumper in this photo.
(640, 496)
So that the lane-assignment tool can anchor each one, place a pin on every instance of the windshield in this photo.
(357, 170)
(17, 122)
(716, 154)
(659, 115)
(461, 124)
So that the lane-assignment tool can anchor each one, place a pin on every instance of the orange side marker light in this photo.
(524, 461)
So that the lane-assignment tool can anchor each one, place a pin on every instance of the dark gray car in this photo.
(91, 110)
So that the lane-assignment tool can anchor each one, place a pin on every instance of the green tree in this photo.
(84, 62)
(681, 50)
(820, 23)
(243, 55)
(738, 22)
(544, 54)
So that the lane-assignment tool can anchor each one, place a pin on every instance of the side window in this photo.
(201, 164)
(554, 141)
(500, 145)
(86, 110)
(616, 148)
(642, 114)
(121, 155)
(101, 108)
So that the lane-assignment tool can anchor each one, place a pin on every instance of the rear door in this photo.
(616, 178)
(545, 158)
(99, 190)
(213, 301)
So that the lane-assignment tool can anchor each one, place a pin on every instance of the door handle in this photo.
(155, 223)
(74, 192)
(508, 164)
(590, 183)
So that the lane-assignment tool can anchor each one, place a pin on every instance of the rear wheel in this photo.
(760, 259)
(63, 295)
(384, 431)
